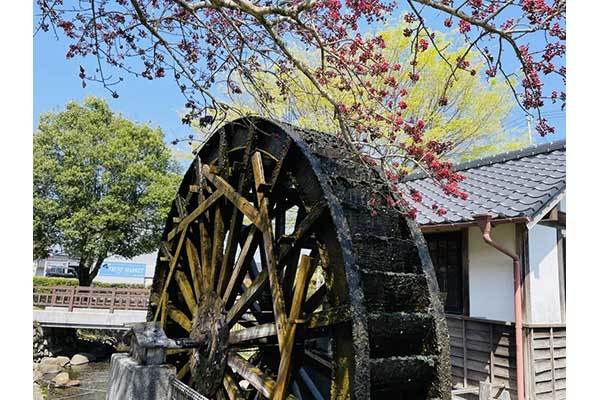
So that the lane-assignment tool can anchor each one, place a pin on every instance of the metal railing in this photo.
(181, 391)
(89, 297)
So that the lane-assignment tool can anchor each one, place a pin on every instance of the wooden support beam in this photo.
(236, 217)
(180, 317)
(315, 300)
(283, 375)
(252, 333)
(230, 250)
(317, 359)
(279, 164)
(303, 228)
(247, 298)
(241, 265)
(195, 267)
(217, 246)
(276, 292)
(204, 205)
(233, 390)
(184, 370)
(163, 296)
(181, 206)
(320, 320)
(186, 290)
(239, 201)
(205, 247)
(171, 352)
(258, 379)
(163, 310)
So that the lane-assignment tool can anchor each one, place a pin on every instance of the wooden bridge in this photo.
(89, 307)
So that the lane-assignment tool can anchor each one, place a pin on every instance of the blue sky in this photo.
(159, 102)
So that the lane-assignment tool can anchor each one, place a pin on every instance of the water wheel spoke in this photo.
(261, 331)
(195, 266)
(172, 264)
(171, 352)
(279, 212)
(241, 264)
(236, 218)
(296, 390)
(283, 375)
(319, 360)
(310, 384)
(204, 205)
(180, 318)
(247, 298)
(233, 390)
(183, 371)
(308, 327)
(230, 249)
(186, 290)
(205, 246)
(315, 300)
(217, 246)
(288, 280)
(276, 293)
(291, 258)
(259, 380)
(302, 229)
(239, 201)
(279, 164)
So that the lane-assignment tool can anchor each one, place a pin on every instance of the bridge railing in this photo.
(89, 297)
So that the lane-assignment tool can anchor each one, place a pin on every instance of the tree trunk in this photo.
(96, 268)
(83, 273)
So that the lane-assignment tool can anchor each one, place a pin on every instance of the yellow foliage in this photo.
(472, 118)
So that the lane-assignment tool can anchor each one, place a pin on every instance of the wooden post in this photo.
(72, 299)
(112, 303)
(492, 360)
(53, 297)
(464, 343)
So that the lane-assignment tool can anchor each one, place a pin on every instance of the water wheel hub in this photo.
(210, 327)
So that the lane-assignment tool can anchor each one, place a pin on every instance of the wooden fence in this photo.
(547, 346)
(484, 351)
(90, 297)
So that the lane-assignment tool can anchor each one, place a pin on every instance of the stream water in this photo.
(94, 381)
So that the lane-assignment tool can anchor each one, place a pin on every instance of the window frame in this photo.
(463, 258)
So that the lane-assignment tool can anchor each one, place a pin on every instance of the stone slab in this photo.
(90, 320)
(130, 380)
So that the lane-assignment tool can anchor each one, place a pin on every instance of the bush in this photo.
(48, 281)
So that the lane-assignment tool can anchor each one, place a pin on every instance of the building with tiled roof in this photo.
(518, 184)
(522, 196)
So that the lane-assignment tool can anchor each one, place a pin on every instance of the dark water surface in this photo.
(94, 382)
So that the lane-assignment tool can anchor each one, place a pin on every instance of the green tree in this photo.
(102, 185)
(472, 118)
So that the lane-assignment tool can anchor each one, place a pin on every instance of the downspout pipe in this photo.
(485, 225)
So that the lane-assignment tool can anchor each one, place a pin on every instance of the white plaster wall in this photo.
(491, 275)
(543, 275)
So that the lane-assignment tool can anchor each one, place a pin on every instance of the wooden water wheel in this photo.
(272, 259)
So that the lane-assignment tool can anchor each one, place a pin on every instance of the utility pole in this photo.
(529, 129)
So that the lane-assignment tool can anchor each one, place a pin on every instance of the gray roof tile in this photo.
(514, 184)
